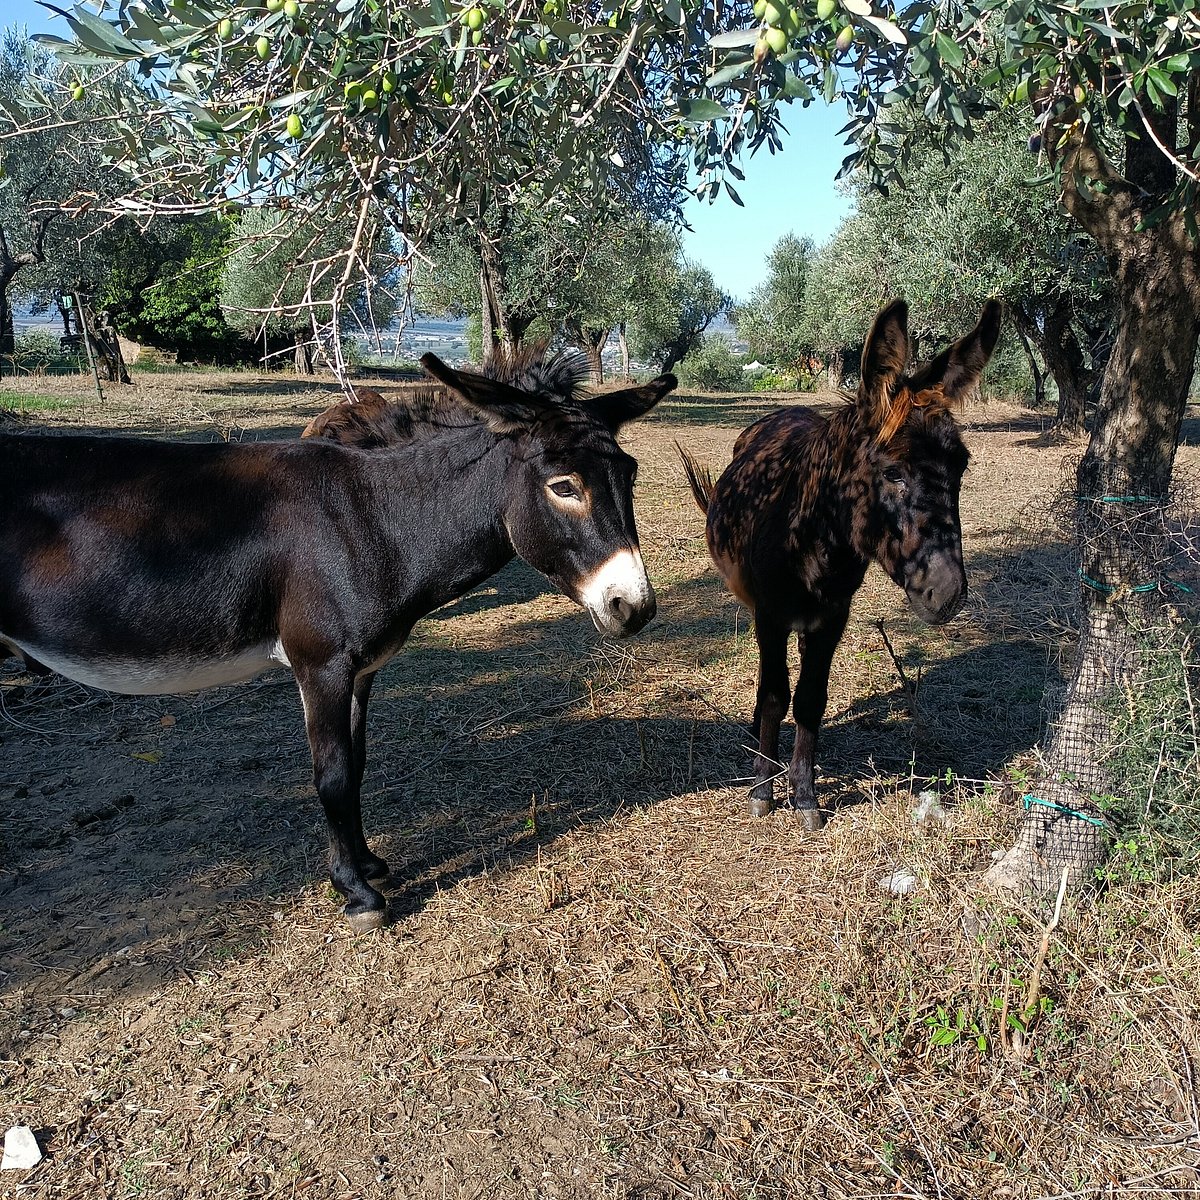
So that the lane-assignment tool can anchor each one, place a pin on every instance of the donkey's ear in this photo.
(505, 409)
(956, 370)
(616, 408)
(885, 355)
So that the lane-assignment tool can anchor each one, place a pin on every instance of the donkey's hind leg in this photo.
(808, 707)
(769, 706)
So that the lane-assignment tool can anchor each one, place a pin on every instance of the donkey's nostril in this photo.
(621, 609)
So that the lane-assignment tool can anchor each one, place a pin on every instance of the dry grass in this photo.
(603, 980)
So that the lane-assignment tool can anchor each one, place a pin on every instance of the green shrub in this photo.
(713, 366)
(766, 380)
(1007, 376)
(1155, 764)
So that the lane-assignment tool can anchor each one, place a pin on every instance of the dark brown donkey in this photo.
(808, 501)
(143, 566)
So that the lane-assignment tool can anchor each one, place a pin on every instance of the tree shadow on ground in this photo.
(257, 386)
(1038, 424)
(294, 418)
(146, 836)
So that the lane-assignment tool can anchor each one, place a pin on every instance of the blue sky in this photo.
(789, 192)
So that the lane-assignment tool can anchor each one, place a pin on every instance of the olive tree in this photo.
(771, 321)
(267, 293)
(968, 223)
(672, 303)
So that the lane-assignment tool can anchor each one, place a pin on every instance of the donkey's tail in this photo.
(699, 479)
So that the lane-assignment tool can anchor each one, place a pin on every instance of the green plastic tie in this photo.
(1029, 801)
(1130, 499)
(1141, 589)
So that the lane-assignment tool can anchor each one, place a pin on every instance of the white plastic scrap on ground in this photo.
(901, 882)
(21, 1150)
(929, 810)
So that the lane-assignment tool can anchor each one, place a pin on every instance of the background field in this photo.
(602, 978)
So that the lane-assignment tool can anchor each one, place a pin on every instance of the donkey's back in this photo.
(768, 434)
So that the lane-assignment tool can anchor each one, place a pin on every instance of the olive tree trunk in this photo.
(11, 262)
(592, 342)
(1122, 483)
(1064, 359)
(1027, 334)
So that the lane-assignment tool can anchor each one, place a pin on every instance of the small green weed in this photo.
(949, 1029)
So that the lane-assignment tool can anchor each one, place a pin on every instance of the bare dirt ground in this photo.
(602, 978)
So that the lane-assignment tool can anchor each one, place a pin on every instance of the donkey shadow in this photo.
(144, 836)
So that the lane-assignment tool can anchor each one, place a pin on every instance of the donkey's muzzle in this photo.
(619, 596)
(938, 593)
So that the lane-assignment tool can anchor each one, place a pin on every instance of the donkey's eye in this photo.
(894, 475)
(564, 488)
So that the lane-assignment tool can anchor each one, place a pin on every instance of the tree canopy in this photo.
(578, 276)
(970, 222)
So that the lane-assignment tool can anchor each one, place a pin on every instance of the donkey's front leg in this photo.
(769, 707)
(328, 695)
(373, 866)
(808, 707)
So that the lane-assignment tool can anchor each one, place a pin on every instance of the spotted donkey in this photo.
(808, 501)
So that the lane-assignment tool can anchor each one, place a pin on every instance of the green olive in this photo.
(291, 9)
(295, 126)
(225, 30)
(777, 40)
(370, 97)
(475, 19)
(262, 47)
(845, 38)
(826, 9)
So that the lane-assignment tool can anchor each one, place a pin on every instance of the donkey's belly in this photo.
(154, 676)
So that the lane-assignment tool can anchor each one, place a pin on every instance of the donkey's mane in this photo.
(422, 410)
(904, 401)
(557, 375)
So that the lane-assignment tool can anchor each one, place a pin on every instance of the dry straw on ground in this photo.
(603, 980)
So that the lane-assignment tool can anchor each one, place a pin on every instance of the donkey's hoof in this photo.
(758, 806)
(809, 817)
(364, 922)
